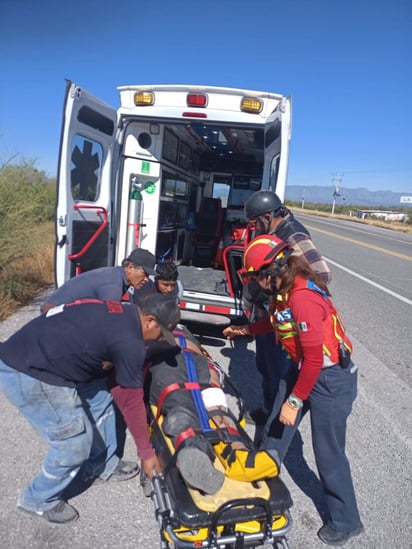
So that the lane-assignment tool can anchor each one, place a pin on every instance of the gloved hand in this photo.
(232, 331)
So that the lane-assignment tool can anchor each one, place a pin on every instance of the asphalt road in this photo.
(372, 288)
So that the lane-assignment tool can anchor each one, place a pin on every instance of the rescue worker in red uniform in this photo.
(267, 214)
(322, 381)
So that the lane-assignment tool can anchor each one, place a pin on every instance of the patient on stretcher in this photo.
(186, 388)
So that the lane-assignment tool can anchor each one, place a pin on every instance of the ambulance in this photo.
(169, 170)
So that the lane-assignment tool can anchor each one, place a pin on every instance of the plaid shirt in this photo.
(291, 231)
(303, 246)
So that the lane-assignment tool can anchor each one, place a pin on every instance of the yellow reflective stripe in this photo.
(287, 329)
(326, 350)
(335, 322)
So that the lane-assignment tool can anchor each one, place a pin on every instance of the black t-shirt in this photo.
(67, 345)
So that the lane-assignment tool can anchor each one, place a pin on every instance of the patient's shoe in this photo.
(198, 471)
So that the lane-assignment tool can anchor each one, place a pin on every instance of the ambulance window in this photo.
(85, 168)
(274, 170)
(221, 190)
(170, 146)
(184, 155)
(96, 120)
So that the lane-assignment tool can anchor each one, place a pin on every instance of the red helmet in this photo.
(262, 251)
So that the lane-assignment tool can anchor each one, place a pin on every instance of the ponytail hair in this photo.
(297, 265)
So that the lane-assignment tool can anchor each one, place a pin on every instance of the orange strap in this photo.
(184, 435)
(189, 386)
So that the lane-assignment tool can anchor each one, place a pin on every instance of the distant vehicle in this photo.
(168, 171)
(382, 214)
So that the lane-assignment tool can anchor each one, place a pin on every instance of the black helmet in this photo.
(261, 202)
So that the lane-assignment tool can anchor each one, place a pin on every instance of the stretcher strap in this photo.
(196, 394)
(228, 434)
(182, 342)
(189, 386)
(192, 376)
(184, 435)
(179, 444)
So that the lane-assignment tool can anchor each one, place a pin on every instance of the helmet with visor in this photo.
(265, 256)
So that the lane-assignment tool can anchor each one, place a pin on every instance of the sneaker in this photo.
(331, 536)
(62, 513)
(198, 471)
(146, 485)
(125, 470)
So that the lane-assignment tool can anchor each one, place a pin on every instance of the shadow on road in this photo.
(303, 476)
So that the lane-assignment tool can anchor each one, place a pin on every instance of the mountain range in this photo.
(357, 197)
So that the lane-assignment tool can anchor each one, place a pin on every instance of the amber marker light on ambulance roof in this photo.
(196, 99)
(251, 104)
(143, 99)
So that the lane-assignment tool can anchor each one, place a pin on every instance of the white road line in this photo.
(393, 294)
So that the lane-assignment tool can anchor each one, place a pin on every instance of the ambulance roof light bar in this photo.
(252, 105)
(144, 99)
(248, 104)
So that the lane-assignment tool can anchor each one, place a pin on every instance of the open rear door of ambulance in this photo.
(275, 169)
(84, 187)
(277, 137)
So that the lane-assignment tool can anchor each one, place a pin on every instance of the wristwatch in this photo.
(294, 401)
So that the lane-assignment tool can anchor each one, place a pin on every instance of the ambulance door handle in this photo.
(62, 241)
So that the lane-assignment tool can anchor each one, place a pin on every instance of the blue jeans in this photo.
(330, 404)
(60, 418)
(98, 404)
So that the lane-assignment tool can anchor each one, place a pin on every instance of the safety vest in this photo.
(287, 329)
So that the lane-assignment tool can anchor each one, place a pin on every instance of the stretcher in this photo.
(240, 514)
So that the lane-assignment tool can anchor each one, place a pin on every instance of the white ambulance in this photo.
(168, 171)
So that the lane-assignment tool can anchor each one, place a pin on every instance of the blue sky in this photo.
(346, 64)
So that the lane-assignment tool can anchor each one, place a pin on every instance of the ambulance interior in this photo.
(208, 172)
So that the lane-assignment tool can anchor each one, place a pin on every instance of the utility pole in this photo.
(303, 199)
(336, 180)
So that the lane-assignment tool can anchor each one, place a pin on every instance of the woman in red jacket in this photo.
(324, 380)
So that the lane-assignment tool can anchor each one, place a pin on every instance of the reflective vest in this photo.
(287, 329)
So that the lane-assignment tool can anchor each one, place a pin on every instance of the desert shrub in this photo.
(27, 203)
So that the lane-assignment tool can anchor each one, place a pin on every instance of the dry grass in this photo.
(26, 276)
(27, 204)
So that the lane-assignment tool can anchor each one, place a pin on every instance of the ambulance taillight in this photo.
(196, 100)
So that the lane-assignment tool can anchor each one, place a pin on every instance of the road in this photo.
(372, 273)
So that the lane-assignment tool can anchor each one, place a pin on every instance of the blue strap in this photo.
(196, 394)
(312, 286)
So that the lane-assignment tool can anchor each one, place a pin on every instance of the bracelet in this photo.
(295, 408)
(294, 402)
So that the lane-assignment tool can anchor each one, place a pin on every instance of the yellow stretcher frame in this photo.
(241, 514)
